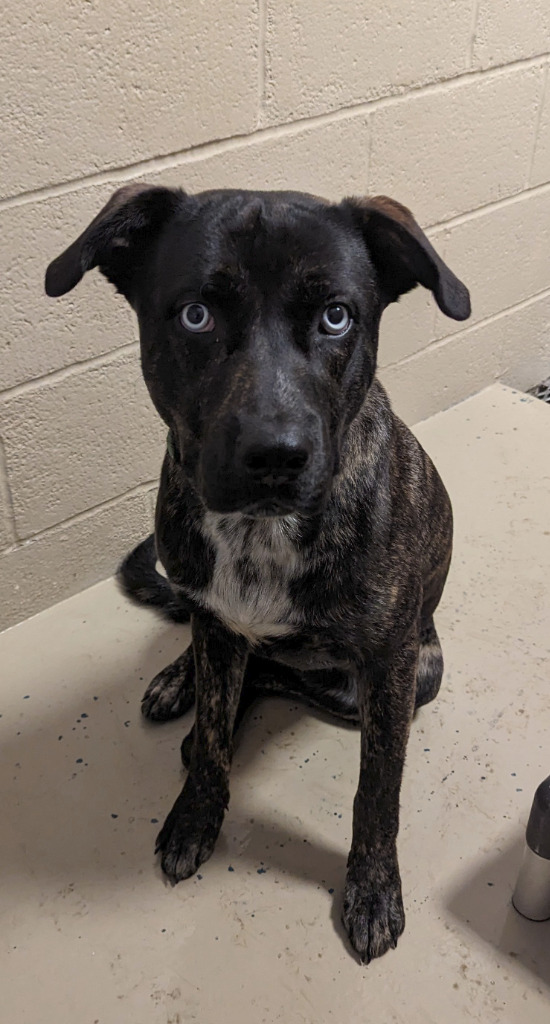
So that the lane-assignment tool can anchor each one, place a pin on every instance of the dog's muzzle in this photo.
(260, 471)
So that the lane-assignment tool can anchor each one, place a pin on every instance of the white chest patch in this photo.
(255, 562)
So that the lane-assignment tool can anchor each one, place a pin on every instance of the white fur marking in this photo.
(261, 607)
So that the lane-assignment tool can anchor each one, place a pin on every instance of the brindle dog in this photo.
(301, 525)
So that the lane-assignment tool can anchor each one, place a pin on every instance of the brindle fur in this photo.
(319, 583)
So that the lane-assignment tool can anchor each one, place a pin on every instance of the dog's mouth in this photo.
(271, 509)
(224, 491)
(268, 512)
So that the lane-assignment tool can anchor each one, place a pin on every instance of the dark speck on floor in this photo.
(230, 868)
(331, 891)
(26, 697)
(154, 821)
(114, 815)
(79, 760)
(262, 871)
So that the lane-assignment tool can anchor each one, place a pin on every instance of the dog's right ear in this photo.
(117, 239)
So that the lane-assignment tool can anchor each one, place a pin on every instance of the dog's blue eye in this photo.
(196, 317)
(336, 319)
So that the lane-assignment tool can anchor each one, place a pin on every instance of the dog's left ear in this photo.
(117, 239)
(404, 257)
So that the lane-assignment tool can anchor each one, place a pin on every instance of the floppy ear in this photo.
(404, 257)
(117, 238)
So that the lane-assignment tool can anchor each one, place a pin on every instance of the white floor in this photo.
(90, 932)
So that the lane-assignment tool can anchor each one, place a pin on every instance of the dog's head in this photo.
(258, 317)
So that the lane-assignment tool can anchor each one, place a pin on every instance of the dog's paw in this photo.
(188, 835)
(172, 692)
(373, 917)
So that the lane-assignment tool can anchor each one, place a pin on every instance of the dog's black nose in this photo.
(275, 464)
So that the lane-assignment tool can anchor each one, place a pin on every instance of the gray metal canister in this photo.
(532, 893)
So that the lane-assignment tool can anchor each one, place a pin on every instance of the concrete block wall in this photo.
(444, 106)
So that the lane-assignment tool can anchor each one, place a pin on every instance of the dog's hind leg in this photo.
(331, 691)
(430, 665)
(172, 692)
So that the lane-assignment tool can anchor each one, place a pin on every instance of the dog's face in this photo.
(258, 320)
(258, 317)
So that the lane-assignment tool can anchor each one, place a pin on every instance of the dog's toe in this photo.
(172, 692)
(180, 861)
(374, 920)
(187, 748)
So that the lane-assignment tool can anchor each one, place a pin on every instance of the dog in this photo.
(300, 524)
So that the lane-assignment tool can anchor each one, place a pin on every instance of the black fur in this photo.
(299, 521)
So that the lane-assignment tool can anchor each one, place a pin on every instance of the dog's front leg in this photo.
(190, 831)
(373, 907)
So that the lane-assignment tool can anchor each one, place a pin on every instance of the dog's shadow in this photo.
(86, 785)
